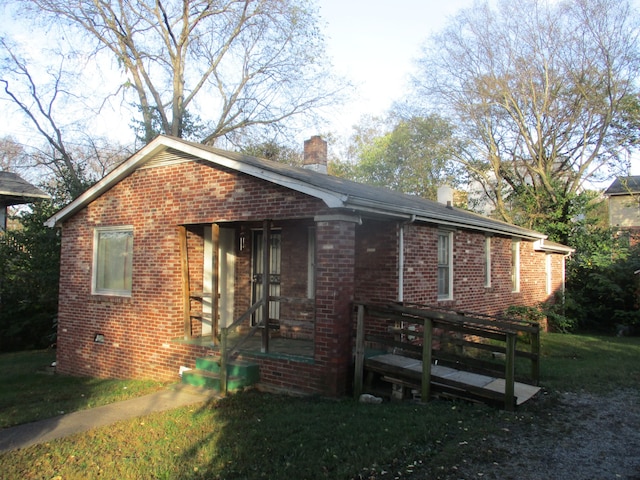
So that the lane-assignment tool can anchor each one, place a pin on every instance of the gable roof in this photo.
(624, 186)
(14, 190)
(335, 192)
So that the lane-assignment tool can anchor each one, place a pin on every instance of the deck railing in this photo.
(458, 337)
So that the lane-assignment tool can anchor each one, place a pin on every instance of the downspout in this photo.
(401, 258)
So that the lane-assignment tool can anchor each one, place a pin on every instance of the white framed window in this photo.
(487, 262)
(112, 261)
(445, 265)
(549, 274)
(515, 265)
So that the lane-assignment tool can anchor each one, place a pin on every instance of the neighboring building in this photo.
(624, 206)
(169, 248)
(16, 191)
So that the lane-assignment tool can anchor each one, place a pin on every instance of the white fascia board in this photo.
(541, 246)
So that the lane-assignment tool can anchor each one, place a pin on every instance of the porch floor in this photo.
(278, 346)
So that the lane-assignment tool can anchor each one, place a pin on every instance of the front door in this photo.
(258, 280)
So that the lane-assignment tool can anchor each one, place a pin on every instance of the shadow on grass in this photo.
(255, 435)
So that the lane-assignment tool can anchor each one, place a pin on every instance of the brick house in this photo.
(169, 249)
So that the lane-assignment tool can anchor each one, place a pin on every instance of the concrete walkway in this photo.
(22, 436)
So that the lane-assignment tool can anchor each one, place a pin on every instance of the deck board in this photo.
(413, 368)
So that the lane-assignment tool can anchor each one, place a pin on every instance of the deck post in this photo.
(215, 295)
(509, 377)
(186, 293)
(427, 339)
(359, 363)
(266, 280)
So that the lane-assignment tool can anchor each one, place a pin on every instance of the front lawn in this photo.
(254, 435)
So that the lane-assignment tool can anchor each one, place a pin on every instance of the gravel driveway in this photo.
(581, 436)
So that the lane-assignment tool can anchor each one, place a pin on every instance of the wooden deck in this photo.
(407, 372)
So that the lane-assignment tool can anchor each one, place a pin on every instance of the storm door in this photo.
(258, 280)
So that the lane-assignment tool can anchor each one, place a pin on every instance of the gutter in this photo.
(487, 226)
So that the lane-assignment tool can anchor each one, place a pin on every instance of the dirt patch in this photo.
(574, 436)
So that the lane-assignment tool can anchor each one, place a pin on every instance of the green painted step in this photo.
(235, 368)
(207, 374)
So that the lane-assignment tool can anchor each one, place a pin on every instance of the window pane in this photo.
(487, 261)
(443, 249)
(443, 280)
(515, 265)
(444, 267)
(114, 261)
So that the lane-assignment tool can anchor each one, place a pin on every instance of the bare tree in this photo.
(539, 91)
(12, 155)
(207, 67)
(74, 160)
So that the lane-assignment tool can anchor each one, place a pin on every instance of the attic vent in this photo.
(169, 157)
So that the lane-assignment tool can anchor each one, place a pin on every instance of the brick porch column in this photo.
(335, 270)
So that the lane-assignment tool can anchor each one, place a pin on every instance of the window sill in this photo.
(104, 298)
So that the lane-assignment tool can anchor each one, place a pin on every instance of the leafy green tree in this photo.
(602, 289)
(414, 157)
(29, 274)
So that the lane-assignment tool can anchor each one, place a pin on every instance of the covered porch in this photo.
(277, 292)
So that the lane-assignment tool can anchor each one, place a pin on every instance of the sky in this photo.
(373, 43)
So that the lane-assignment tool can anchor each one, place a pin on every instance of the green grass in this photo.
(31, 392)
(590, 363)
(253, 435)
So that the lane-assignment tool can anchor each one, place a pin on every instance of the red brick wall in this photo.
(376, 262)
(138, 330)
(296, 318)
(335, 269)
(377, 269)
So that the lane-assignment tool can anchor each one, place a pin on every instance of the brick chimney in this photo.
(315, 154)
